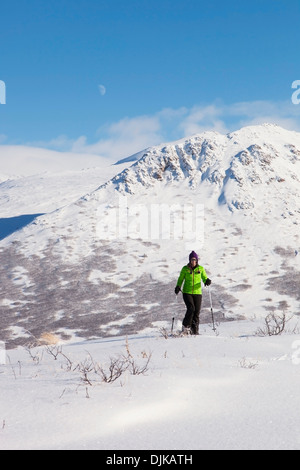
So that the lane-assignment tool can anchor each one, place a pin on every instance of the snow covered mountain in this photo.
(107, 264)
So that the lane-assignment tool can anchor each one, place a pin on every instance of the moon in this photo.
(102, 90)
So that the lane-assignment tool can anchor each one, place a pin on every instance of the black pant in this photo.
(193, 305)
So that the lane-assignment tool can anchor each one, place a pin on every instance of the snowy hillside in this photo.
(45, 192)
(107, 264)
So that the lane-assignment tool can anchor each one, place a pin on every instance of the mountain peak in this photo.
(238, 166)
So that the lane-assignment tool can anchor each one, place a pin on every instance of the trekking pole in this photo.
(211, 309)
(173, 319)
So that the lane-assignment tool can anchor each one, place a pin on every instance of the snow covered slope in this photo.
(232, 391)
(107, 264)
(45, 192)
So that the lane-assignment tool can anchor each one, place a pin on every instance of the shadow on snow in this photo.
(9, 225)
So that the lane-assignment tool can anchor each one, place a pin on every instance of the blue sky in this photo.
(113, 77)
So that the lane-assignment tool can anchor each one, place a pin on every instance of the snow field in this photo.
(231, 391)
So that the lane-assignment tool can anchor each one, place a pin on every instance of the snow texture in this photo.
(231, 391)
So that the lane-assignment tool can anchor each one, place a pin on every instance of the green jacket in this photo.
(192, 279)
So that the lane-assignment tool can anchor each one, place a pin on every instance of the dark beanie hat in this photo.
(193, 255)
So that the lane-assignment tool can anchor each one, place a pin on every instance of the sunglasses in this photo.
(194, 259)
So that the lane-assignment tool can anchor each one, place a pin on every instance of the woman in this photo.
(192, 274)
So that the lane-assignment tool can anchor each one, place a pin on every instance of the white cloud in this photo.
(123, 138)
(128, 136)
(61, 143)
(226, 118)
(203, 118)
(24, 161)
(282, 113)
